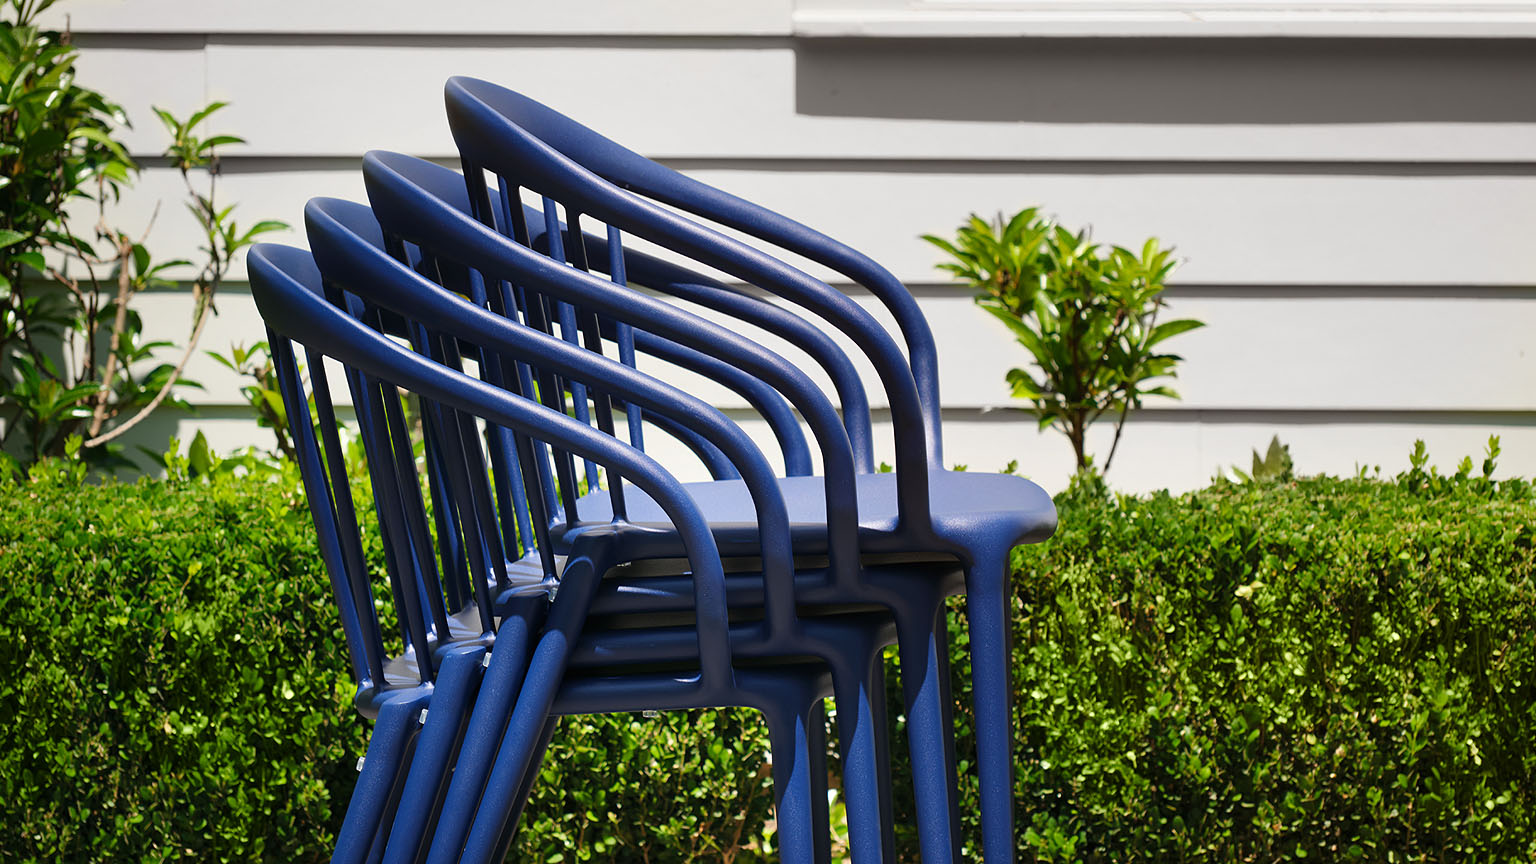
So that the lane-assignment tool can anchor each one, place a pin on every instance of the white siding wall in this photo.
(1356, 215)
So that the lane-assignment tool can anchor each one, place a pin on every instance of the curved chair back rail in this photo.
(488, 140)
(418, 216)
(287, 288)
(529, 226)
(352, 262)
(628, 169)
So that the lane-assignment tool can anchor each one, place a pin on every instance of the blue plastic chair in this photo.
(863, 681)
(973, 517)
(288, 293)
(396, 196)
(343, 236)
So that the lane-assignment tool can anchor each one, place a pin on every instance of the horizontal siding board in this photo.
(1256, 354)
(348, 17)
(165, 71)
(1231, 229)
(709, 98)
(1157, 451)
(856, 101)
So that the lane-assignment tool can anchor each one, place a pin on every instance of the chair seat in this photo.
(995, 503)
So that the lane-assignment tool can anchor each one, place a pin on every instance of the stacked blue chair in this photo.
(850, 644)
(860, 673)
(825, 571)
(288, 291)
(975, 520)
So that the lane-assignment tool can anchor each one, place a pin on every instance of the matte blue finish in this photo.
(849, 644)
(532, 146)
(486, 651)
(287, 293)
(630, 170)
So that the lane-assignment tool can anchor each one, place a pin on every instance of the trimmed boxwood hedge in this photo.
(1326, 669)
(175, 687)
(1337, 669)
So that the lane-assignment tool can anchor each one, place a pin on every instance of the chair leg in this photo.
(821, 815)
(458, 679)
(883, 756)
(789, 737)
(393, 732)
(525, 790)
(502, 681)
(518, 748)
(392, 806)
(521, 743)
(858, 744)
(930, 733)
(987, 602)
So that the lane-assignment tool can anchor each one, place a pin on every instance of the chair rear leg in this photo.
(519, 746)
(502, 681)
(930, 729)
(820, 809)
(525, 790)
(986, 603)
(789, 737)
(858, 743)
(458, 679)
(883, 755)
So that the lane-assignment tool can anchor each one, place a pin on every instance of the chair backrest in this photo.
(629, 267)
(414, 214)
(472, 101)
(291, 297)
(347, 258)
(489, 141)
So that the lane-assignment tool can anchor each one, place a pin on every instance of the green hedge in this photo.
(174, 685)
(1326, 669)
(176, 688)
(1329, 669)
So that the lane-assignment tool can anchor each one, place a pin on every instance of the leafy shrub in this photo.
(1086, 315)
(685, 786)
(1337, 669)
(1330, 669)
(177, 689)
(174, 685)
(73, 357)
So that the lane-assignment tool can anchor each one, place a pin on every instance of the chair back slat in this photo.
(566, 316)
(330, 505)
(289, 295)
(451, 553)
(626, 333)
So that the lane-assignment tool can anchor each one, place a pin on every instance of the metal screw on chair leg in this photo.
(360, 761)
(423, 718)
(487, 661)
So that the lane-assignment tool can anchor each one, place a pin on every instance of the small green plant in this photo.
(262, 393)
(73, 360)
(1087, 315)
(1432, 482)
(1274, 466)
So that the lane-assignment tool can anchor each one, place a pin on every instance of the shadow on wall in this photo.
(1167, 81)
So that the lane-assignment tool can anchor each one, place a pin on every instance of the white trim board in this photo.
(1165, 18)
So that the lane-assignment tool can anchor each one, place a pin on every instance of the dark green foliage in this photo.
(1341, 669)
(175, 685)
(1275, 466)
(659, 787)
(74, 363)
(177, 688)
(1328, 669)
